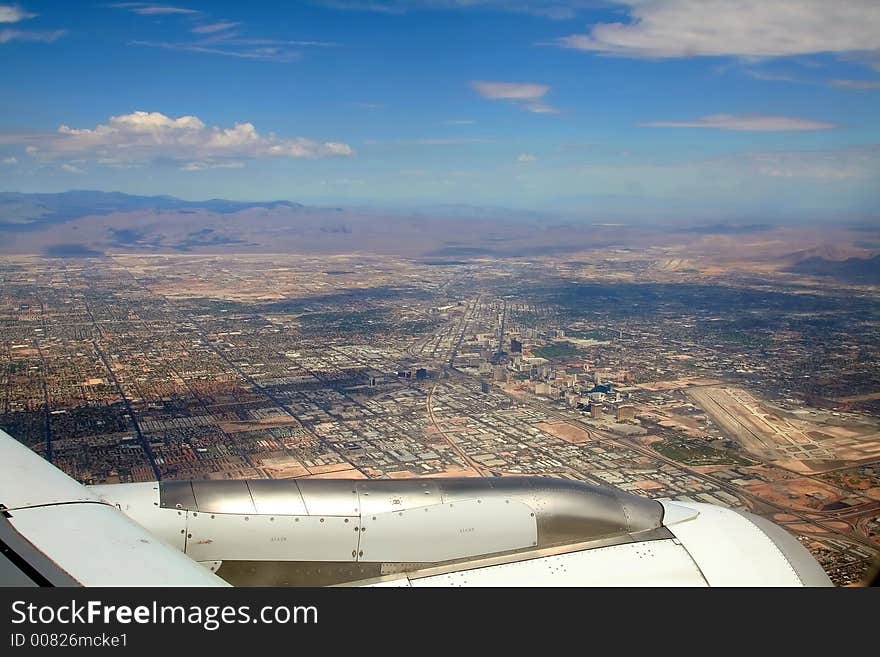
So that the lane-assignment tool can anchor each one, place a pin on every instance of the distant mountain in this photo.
(852, 270)
(33, 211)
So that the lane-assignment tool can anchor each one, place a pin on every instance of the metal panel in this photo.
(234, 537)
(140, 503)
(448, 531)
(566, 511)
(99, 546)
(746, 556)
(277, 497)
(385, 495)
(177, 495)
(808, 570)
(223, 497)
(330, 497)
(22, 564)
(655, 563)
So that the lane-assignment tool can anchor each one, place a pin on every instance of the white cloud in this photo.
(147, 9)
(71, 168)
(457, 122)
(203, 166)
(527, 95)
(38, 36)
(211, 28)
(742, 28)
(851, 163)
(510, 90)
(13, 14)
(750, 122)
(526, 158)
(855, 84)
(10, 160)
(552, 9)
(150, 136)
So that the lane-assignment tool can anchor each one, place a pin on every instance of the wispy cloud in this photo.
(749, 122)
(212, 28)
(147, 9)
(855, 84)
(526, 158)
(366, 105)
(69, 168)
(36, 36)
(218, 37)
(13, 14)
(10, 161)
(447, 141)
(153, 136)
(268, 53)
(692, 28)
(552, 9)
(526, 95)
(457, 122)
(204, 166)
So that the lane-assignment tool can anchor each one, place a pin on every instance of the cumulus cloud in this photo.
(526, 158)
(153, 136)
(10, 161)
(526, 95)
(749, 122)
(13, 14)
(742, 28)
(69, 168)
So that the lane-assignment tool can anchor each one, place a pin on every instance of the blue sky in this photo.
(698, 107)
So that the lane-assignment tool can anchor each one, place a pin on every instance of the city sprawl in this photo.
(746, 389)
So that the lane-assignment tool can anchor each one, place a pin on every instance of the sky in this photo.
(713, 108)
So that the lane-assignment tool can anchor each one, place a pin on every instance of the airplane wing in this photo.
(56, 532)
(507, 531)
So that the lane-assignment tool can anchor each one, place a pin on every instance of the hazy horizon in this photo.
(671, 107)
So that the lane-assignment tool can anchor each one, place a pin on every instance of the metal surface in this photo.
(655, 563)
(99, 546)
(806, 568)
(223, 497)
(330, 497)
(175, 495)
(277, 497)
(732, 550)
(443, 532)
(21, 564)
(140, 502)
(233, 537)
(565, 511)
(385, 495)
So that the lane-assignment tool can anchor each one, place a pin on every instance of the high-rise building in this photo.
(625, 412)
(515, 346)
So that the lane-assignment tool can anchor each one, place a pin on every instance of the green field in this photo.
(558, 351)
(695, 453)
